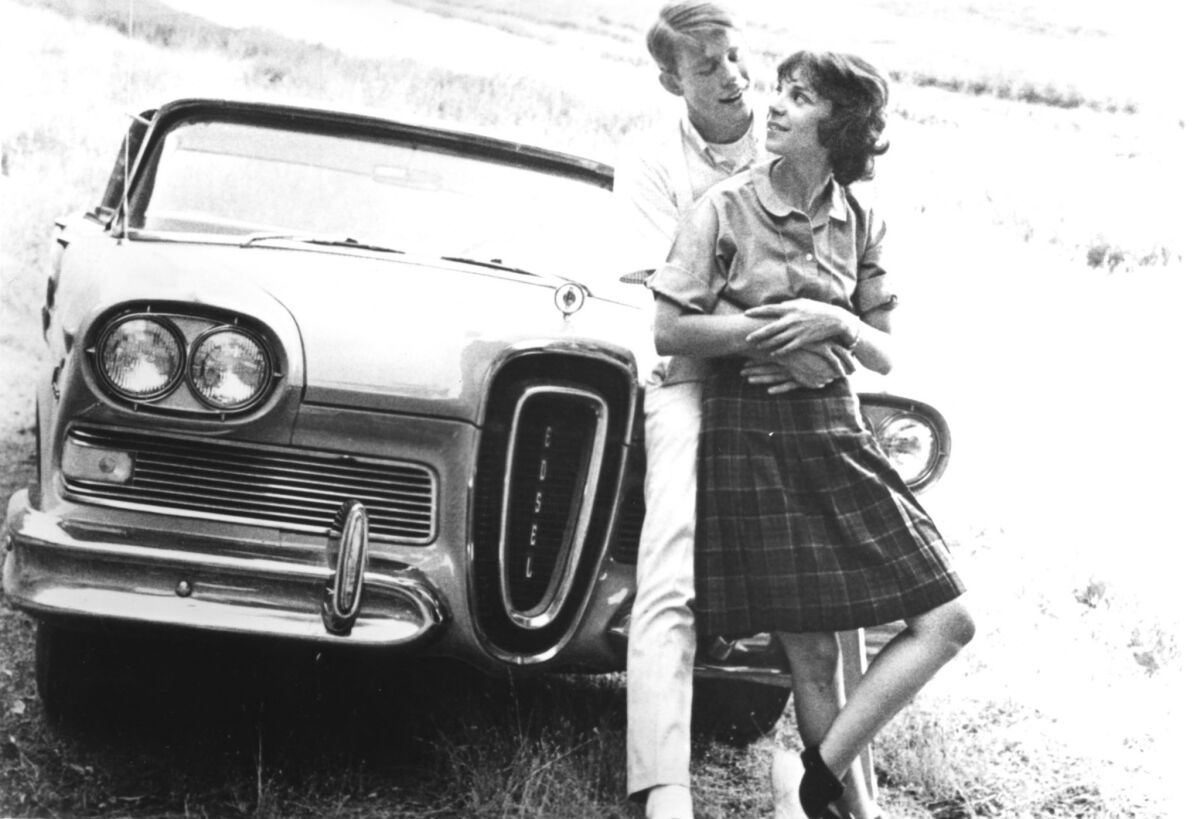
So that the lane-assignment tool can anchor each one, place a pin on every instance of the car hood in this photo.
(387, 332)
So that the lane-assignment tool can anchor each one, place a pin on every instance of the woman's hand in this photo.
(813, 367)
(798, 323)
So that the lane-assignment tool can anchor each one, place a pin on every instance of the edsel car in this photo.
(324, 376)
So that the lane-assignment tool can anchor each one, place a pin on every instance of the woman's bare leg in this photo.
(818, 688)
(896, 674)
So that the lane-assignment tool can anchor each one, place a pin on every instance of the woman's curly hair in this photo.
(858, 94)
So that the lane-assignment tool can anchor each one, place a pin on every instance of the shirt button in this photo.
(808, 257)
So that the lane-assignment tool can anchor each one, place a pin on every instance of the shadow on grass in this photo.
(201, 727)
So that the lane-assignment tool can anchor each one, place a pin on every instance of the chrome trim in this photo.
(592, 350)
(569, 298)
(412, 609)
(550, 606)
(625, 362)
(781, 678)
(349, 542)
(174, 318)
(749, 659)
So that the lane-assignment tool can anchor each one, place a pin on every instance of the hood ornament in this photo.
(569, 298)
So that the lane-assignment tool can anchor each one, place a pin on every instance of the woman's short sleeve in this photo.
(693, 275)
(874, 289)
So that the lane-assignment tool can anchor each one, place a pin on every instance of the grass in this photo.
(940, 43)
(1046, 289)
(273, 731)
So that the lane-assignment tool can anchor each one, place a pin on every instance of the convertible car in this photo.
(324, 376)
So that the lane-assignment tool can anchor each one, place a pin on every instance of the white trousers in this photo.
(662, 632)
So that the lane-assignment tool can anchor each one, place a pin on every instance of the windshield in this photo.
(239, 180)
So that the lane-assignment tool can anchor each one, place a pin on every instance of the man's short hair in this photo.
(683, 23)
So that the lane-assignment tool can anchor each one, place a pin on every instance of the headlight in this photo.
(229, 368)
(140, 358)
(911, 444)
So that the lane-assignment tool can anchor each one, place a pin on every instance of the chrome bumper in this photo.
(50, 572)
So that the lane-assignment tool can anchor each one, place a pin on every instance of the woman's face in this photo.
(792, 120)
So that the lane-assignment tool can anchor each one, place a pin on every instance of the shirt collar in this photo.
(700, 147)
(832, 204)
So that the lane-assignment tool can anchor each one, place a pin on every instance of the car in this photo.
(325, 376)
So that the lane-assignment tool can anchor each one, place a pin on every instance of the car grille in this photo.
(629, 531)
(551, 451)
(632, 508)
(299, 490)
(555, 426)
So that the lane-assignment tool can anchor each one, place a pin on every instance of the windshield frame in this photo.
(350, 125)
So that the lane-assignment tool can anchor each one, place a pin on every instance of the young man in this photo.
(698, 48)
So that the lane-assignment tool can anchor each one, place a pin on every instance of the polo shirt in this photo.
(744, 243)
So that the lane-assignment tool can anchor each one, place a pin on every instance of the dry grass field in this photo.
(1035, 188)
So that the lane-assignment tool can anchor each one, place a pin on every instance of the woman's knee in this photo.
(813, 657)
(950, 624)
(961, 629)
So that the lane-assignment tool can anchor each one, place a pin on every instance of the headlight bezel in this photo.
(190, 325)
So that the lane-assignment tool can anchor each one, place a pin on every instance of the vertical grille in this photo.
(549, 466)
(544, 494)
(629, 526)
(633, 507)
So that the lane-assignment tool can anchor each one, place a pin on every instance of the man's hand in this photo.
(813, 367)
(796, 324)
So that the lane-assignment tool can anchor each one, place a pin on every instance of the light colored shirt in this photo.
(743, 243)
(657, 181)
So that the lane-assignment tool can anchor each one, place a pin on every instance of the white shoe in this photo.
(670, 802)
(786, 770)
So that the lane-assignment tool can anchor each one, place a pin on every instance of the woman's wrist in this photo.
(853, 333)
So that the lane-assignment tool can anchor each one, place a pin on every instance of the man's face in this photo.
(712, 77)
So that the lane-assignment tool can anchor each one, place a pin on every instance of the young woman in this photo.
(803, 527)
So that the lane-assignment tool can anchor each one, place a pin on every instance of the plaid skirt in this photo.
(802, 522)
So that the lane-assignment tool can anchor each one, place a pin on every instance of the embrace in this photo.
(770, 507)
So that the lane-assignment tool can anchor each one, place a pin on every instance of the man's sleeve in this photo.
(648, 210)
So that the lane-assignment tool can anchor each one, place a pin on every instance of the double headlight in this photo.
(144, 358)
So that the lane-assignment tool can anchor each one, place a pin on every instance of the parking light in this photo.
(89, 463)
